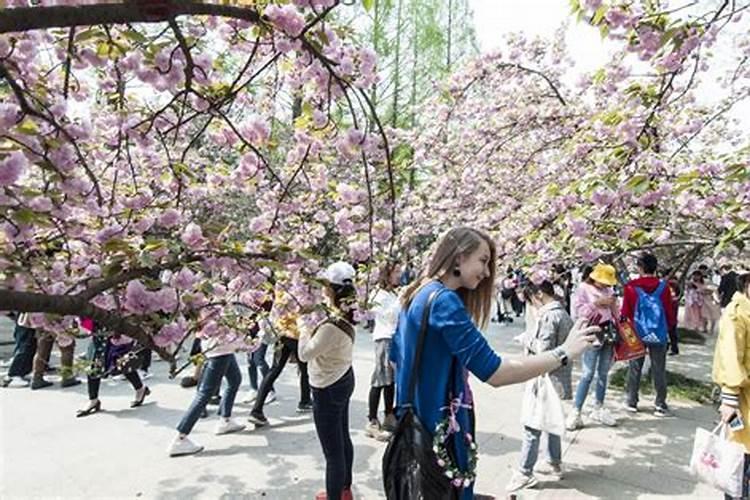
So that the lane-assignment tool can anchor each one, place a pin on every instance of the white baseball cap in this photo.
(339, 273)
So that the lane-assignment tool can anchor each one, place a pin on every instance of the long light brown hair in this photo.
(459, 241)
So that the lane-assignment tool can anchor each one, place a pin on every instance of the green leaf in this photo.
(135, 36)
(368, 4)
(599, 15)
(117, 245)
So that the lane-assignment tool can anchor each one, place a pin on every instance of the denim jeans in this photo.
(594, 361)
(215, 369)
(530, 449)
(658, 356)
(257, 360)
(331, 415)
(23, 352)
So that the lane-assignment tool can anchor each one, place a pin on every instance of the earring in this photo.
(456, 272)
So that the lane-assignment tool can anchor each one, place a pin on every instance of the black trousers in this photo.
(23, 352)
(93, 383)
(288, 347)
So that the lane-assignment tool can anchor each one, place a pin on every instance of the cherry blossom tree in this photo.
(162, 163)
(630, 158)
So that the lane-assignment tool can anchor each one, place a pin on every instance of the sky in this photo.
(493, 18)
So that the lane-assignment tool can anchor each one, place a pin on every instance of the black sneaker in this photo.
(663, 411)
(304, 408)
(40, 383)
(258, 419)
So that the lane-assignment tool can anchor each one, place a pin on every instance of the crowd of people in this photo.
(427, 337)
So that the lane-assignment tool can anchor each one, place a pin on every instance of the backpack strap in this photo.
(660, 289)
(420, 347)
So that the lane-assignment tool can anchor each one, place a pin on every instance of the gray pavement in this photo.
(121, 453)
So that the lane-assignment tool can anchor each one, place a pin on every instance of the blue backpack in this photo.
(650, 318)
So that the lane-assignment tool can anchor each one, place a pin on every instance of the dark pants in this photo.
(146, 355)
(43, 351)
(93, 383)
(374, 400)
(658, 356)
(257, 361)
(213, 371)
(745, 481)
(331, 415)
(23, 352)
(288, 347)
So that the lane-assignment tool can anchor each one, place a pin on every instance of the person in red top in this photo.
(648, 282)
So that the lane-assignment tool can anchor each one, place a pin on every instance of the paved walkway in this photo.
(120, 453)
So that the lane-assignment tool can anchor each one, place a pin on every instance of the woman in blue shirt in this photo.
(462, 272)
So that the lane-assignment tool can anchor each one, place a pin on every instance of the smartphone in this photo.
(736, 424)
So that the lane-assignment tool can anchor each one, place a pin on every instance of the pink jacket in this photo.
(585, 306)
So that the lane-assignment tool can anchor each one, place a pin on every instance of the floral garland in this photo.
(443, 431)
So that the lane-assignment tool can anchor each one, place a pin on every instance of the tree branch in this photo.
(141, 11)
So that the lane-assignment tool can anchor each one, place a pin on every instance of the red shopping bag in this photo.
(628, 345)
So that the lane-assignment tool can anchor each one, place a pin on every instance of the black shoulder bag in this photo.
(410, 469)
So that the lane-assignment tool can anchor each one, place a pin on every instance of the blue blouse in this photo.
(450, 332)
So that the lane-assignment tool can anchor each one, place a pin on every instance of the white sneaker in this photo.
(227, 426)
(574, 421)
(520, 481)
(183, 446)
(271, 397)
(18, 382)
(601, 415)
(556, 471)
(252, 395)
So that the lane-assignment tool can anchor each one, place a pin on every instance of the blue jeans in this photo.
(331, 415)
(658, 356)
(530, 449)
(23, 352)
(216, 368)
(257, 360)
(594, 361)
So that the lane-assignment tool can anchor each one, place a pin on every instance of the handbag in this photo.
(410, 467)
(717, 461)
(542, 408)
(629, 345)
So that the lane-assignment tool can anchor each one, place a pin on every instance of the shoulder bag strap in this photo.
(420, 347)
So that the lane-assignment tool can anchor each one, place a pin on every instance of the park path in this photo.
(120, 453)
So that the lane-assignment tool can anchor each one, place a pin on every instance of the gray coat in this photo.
(553, 326)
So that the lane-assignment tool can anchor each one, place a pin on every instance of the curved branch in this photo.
(63, 16)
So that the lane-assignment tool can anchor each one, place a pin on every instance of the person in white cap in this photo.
(328, 350)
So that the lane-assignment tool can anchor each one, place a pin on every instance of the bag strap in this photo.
(420, 347)
(659, 289)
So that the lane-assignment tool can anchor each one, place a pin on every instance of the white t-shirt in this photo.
(385, 307)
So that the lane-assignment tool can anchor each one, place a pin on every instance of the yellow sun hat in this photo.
(604, 274)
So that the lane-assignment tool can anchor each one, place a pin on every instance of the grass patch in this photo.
(678, 386)
(688, 336)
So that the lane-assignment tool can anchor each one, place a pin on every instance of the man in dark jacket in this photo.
(727, 285)
(648, 282)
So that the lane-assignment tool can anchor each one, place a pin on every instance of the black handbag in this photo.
(410, 468)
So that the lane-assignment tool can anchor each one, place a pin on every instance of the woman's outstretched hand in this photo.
(580, 338)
